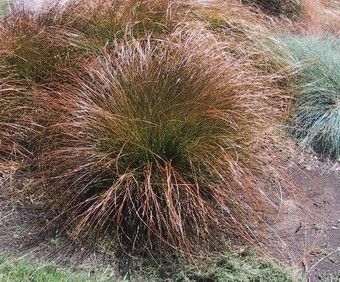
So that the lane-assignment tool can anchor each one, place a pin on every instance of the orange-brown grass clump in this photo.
(36, 50)
(41, 45)
(140, 130)
(321, 16)
(159, 147)
(40, 48)
(107, 20)
(33, 53)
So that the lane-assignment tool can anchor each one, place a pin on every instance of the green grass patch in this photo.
(22, 270)
(233, 268)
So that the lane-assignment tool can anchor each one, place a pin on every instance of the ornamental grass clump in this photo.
(158, 149)
(36, 50)
(316, 114)
(148, 123)
(41, 45)
(106, 20)
(33, 54)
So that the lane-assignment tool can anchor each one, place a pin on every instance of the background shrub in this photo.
(41, 46)
(39, 49)
(104, 21)
(316, 114)
(321, 16)
(288, 8)
(33, 54)
(36, 50)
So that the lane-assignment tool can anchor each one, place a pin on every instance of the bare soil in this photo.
(307, 228)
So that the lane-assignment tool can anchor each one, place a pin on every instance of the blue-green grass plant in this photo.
(316, 114)
(4, 7)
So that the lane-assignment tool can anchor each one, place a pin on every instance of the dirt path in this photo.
(311, 237)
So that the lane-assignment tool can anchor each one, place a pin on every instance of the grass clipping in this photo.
(230, 268)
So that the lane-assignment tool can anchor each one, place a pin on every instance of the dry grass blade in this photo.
(14, 103)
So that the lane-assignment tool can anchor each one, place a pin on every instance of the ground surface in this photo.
(308, 227)
(22, 232)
